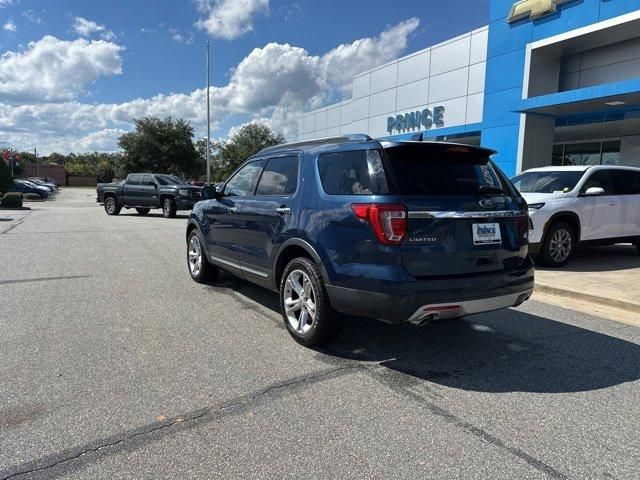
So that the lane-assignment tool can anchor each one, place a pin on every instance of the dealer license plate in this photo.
(486, 233)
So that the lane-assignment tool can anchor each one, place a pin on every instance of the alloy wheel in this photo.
(195, 256)
(299, 301)
(560, 245)
(111, 205)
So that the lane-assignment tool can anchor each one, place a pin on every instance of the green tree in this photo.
(231, 153)
(159, 145)
(105, 171)
(6, 180)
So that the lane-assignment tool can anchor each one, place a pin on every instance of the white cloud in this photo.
(181, 37)
(5, 3)
(229, 19)
(52, 70)
(86, 28)
(31, 16)
(272, 84)
(9, 26)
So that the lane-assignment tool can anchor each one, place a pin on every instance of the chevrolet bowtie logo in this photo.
(533, 9)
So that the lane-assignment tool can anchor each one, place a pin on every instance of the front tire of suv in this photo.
(169, 208)
(143, 211)
(111, 206)
(558, 245)
(199, 267)
(304, 303)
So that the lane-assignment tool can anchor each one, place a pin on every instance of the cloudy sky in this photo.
(75, 73)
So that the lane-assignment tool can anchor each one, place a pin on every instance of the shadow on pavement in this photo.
(601, 259)
(152, 215)
(504, 351)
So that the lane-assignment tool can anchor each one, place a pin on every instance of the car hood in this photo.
(542, 197)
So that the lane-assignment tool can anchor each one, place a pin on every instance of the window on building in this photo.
(586, 153)
(611, 153)
(582, 154)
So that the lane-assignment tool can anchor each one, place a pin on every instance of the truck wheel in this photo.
(199, 267)
(143, 211)
(304, 303)
(558, 245)
(111, 206)
(169, 208)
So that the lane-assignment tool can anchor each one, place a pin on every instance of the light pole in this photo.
(208, 123)
(35, 152)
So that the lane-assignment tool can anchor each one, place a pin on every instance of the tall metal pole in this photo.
(35, 152)
(208, 123)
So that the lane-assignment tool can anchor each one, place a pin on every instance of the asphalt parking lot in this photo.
(114, 364)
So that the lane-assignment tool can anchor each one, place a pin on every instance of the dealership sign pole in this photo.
(208, 123)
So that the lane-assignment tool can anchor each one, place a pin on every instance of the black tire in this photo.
(143, 211)
(169, 208)
(326, 323)
(111, 206)
(207, 272)
(558, 245)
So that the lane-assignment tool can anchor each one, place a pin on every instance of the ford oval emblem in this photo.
(488, 203)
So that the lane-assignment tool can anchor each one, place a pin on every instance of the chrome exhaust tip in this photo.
(427, 319)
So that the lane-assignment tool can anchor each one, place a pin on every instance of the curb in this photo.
(17, 208)
(609, 302)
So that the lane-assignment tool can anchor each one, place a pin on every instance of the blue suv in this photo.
(403, 232)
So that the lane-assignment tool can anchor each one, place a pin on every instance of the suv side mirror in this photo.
(594, 192)
(209, 192)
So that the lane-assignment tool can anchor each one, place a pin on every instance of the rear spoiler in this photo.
(439, 149)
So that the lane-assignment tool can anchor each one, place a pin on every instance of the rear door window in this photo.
(358, 172)
(280, 177)
(625, 182)
(441, 170)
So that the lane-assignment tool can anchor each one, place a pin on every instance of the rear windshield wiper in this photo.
(489, 189)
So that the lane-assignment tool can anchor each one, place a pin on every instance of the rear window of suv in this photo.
(441, 170)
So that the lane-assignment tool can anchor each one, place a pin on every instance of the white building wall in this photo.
(450, 74)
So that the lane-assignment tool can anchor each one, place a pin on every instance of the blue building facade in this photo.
(545, 82)
(507, 103)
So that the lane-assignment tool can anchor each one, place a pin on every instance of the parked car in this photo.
(403, 232)
(580, 205)
(24, 186)
(144, 191)
(43, 182)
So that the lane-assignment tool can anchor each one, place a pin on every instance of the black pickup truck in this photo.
(144, 191)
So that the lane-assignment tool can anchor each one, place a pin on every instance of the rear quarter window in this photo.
(357, 172)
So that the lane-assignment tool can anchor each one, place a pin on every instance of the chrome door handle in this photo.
(283, 210)
(232, 209)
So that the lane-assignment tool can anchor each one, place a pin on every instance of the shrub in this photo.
(31, 196)
(6, 181)
(11, 200)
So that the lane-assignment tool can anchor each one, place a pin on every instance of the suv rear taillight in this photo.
(522, 223)
(388, 222)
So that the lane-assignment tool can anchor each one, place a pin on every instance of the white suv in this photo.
(578, 205)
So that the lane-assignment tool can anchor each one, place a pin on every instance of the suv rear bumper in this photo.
(462, 296)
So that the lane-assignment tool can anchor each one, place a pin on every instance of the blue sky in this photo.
(73, 61)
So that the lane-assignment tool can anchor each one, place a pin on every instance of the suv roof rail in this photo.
(356, 137)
